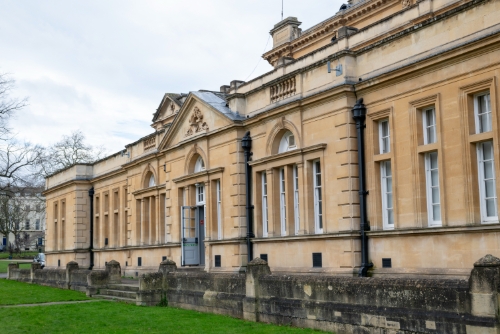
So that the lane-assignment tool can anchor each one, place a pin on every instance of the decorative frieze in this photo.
(196, 123)
(149, 143)
(283, 89)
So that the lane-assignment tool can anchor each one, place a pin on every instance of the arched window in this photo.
(287, 142)
(200, 165)
(151, 181)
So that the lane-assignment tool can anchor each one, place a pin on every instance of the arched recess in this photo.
(277, 132)
(146, 176)
(191, 158)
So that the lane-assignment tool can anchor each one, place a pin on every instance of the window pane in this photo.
(434, 178)
(434, 160)
(436, 212)
(435, 195)
(320, 222)
(388, 171)
(318, 194)
(487, 150)
(389, 200)
(390, 217)
(385, 129)
(491, 210)
(318, 167)
(489, 186)
(488, 169)
(388, 184)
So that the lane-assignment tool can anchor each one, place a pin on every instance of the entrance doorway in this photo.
(193, 235)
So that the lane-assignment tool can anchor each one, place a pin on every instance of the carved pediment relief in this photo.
(196, 123)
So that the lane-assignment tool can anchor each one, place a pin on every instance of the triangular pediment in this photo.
(201, 113)
(169, 106)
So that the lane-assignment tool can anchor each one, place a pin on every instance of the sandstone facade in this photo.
(427, 72)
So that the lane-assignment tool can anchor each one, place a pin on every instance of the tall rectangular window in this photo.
(487, 182)
(200, 194)
(318, 200)
(27, 224)
(482, 112)
(387, 206)
(282, 201)
(296, 197)
(219, 212)
(37, 224)
(432, 189)
(384, 136)
(429, 123)
(265, 219)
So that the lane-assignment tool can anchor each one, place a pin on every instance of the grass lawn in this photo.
(5, 264)
(12, 292)
(110, 317)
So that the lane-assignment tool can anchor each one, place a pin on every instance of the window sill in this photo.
(479, 137)
(382, 157)
(427, 148)
(476, 228)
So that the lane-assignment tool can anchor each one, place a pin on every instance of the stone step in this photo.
(114, 298)
(124, 287)
(119, 293)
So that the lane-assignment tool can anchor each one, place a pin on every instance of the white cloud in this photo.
(103, 66)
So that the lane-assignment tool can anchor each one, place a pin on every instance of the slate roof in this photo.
(218, 101)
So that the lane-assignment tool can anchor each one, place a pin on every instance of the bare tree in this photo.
(70, 150)
(16, 158)
(8, 105)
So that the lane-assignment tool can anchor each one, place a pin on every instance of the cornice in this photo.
(149, 189)
(288, 154)
(65, 184)
(196, 175)
(350, 16)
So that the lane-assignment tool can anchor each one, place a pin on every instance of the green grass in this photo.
(29, 255)
(109, 317)
(5, 264)
(13, 292)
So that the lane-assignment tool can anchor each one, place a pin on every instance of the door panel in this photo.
(190, 253)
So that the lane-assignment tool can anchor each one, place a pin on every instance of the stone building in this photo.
(427, 73)
(32, 208)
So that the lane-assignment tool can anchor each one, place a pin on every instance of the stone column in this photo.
(302, 199)
(167, 267)
(143, 222)
(273, 207)
(70, 266)
(10, 267)
(34, 266)
(483, 283)
(115, 272)
(255, 269)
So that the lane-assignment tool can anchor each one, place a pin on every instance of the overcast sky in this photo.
(103, 66)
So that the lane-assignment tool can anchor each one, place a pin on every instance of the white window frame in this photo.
(487, 113)
(219, 211)
(429, 187)
(199, 166)
(200, 194)
(381, 137)
(319, 222)
(282, 201)
(482, 189)
(265, 214)
(151, 182)
(385, 191)
(285, 142)
(296, 210)
(429, 127)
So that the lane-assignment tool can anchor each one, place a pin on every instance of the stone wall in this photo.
(333, 303)
(336, 303)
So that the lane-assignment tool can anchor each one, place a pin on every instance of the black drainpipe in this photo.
(246, 143)
(359, 115)
(91, 248)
